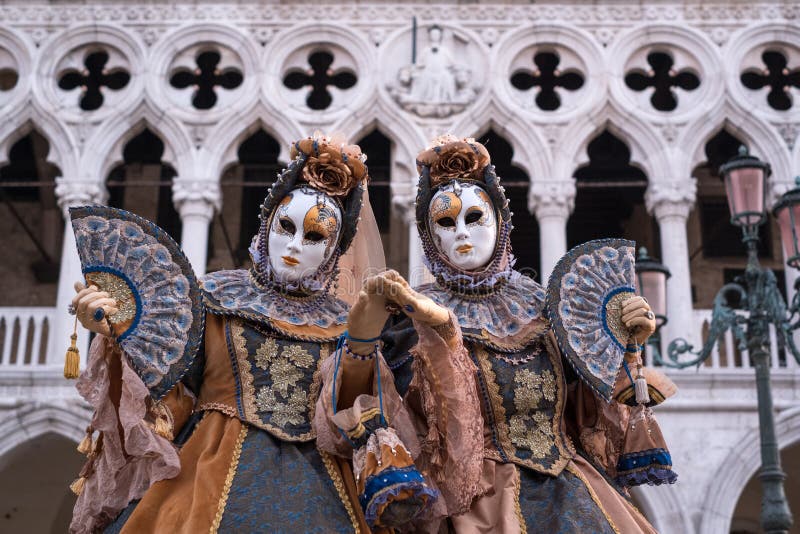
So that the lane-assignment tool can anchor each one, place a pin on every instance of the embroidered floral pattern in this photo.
(283, 399)
(284, 376)
(267, 352)
(292, 411)
(530, 428)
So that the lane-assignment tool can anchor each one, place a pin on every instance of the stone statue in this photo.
(435, 85)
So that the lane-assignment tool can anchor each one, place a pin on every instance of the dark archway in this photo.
(525, 235)
(244, 187)
(716, 252)
(34, 485)
(31, 225)
(610, 197)
(747, 514)
(142, 184)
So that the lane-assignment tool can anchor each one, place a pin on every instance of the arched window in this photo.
(716, 252)
(31, 225)
(244, 187)
(525, 235)
(610, 197)
(142, 184)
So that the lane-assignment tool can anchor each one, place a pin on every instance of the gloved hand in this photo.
(638, 317)
(367, 316)
(415, 305)
(86, 304)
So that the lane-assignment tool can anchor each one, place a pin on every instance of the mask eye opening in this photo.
(446, 222)
(286, 225)
(315, 237)
(473, 216)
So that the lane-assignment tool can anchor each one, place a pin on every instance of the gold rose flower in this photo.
(454, 159)
(332, 166)
(329, 173)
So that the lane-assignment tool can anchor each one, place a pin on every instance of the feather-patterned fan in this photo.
(159, 322)
(584, 302)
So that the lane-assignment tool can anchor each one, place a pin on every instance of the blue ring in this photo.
(99, 314)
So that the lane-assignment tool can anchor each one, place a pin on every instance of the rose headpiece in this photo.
(445, 160)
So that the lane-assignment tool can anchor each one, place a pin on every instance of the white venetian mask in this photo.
(303, 234)
(463, 224)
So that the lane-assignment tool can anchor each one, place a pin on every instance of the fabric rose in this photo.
(455, 159)
(332, 166)
(329, 173)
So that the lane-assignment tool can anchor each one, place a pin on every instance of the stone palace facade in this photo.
(603, 118)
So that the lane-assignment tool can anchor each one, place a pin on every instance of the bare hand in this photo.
(413, 304)
(87, 302)
(638, 317)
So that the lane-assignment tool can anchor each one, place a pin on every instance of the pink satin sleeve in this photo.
(127, 463)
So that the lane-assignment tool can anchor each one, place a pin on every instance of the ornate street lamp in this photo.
(651, 283)
(757, 291)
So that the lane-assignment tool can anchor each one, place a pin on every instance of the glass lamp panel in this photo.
(745, 188)
(789, 223)
(653, 287)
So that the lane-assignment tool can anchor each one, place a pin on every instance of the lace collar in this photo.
(237, 293)
(506, 319)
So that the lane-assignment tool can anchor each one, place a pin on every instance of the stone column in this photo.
(552, 203)
(670, 202)
(70, 193)
(417, 272)
(196, 202)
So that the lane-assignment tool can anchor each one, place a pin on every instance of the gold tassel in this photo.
(86, 445)
(77, 486)
(642, 395)
(72, 363)
(163, 428)
(162, 420)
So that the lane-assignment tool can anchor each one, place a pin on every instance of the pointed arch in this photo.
(406, 137)
(531, 152)
(230, 134)
(105, 146)
(739, 467)
(62, 146)
(647, 150)
(29, 422)
(762, 138)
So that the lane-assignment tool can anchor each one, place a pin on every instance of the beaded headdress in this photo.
(336, 170)
(446, 160)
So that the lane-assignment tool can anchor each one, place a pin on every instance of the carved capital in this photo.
(552, 198)
(674, 198)
(197, 198)
(406, 207)
(72, 193)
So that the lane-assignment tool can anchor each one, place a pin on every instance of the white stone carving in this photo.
(744, 53)
(690, 50)
(72, 193)
(552, 197)
(668, 198)
(716, 39)
(438, 83)
(789, 132)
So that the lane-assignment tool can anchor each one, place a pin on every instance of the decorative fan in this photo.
(159, 325)
(584, 305)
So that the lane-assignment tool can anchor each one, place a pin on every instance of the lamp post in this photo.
(651, 283)
(757, 291)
